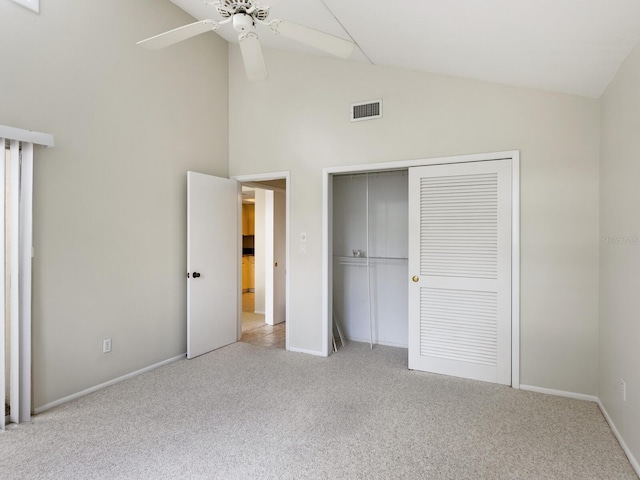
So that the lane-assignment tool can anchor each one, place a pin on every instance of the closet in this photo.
(426, 258)
(370, 250)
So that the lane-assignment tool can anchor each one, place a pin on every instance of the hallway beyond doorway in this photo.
(254, 329)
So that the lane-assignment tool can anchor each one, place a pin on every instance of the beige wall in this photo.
(620, 250)
(299, 121)
(110, 198)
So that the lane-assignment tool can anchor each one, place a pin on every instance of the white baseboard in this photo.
(82, 393)
(316, 353)
(559, 393)
(259, 312)
(377, 342)
(632, 459)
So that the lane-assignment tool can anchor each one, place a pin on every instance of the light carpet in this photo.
(245, 412)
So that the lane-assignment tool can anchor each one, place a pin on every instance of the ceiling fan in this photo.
(245, 15)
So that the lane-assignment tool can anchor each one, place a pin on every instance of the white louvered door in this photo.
(460, 269)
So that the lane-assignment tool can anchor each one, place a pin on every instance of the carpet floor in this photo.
(245, 412)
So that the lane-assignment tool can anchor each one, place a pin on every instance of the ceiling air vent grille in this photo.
(366, 110)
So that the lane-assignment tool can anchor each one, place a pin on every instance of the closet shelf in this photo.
(347, 260)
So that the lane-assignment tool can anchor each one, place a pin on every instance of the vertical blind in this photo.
(16, 192)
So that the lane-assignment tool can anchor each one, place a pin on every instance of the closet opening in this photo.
(369, 258)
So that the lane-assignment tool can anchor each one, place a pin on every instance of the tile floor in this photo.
(255, 331)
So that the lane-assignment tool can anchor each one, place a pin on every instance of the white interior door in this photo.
(276, 257)
(460, 268)
(212, 262)
(280, 256)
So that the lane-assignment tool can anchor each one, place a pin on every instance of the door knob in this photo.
(196, 275)
(415, 278)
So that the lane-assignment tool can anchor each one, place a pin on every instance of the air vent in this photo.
(366, 110)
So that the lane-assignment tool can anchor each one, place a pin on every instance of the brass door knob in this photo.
(415, 279)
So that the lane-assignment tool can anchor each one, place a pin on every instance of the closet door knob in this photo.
(415, 279)
(196, 275)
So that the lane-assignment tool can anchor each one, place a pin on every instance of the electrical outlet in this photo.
(106, 345)
(623, 389)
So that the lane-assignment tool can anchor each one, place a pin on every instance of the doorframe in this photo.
(327, 240)
(262, 177)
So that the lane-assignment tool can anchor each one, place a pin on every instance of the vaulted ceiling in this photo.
(572, 46)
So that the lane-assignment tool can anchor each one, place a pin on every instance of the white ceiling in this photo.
(572, 46)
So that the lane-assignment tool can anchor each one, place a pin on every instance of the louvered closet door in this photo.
(460, 269)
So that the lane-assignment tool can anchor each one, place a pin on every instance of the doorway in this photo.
(264, 249)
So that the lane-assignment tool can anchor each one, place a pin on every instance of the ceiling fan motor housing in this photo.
(228, 8)
(243, 23)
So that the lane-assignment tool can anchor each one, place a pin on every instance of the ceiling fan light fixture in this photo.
(243, 23)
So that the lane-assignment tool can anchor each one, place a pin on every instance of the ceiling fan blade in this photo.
(314, 38)
(178, 34)
(252, 56)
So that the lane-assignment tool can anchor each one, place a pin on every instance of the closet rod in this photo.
(389, 258)
(363, 259)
